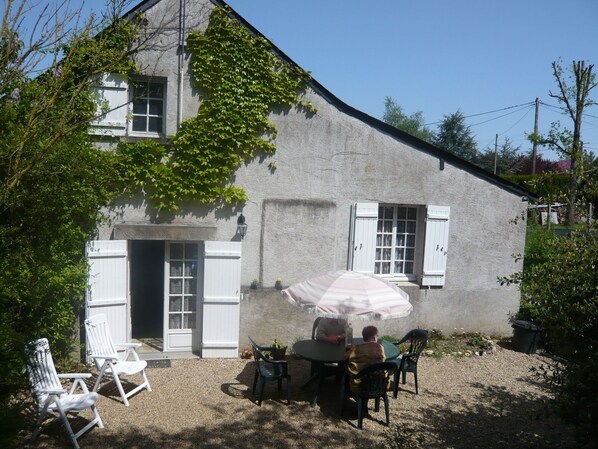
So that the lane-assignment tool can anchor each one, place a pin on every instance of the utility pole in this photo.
(495, 152)
(535, 143)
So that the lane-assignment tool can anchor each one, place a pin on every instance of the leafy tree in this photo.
(53, 181)
(542, 165)
(456, 137)
(507, 159)
(574, 88)
(412, 124)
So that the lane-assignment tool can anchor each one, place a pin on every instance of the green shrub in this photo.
(560, 293)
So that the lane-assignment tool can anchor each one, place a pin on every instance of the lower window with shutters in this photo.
(400, 242)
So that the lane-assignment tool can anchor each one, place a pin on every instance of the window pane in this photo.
(400, 254)
(139, 123)
(386, 254)
(176, 250)
(408, 267)
(388, 226)
(377, 268)
(399, 267)
(379, 229)
(402, 213)
(386, 268)
(191, 251)
(387, 240)
(174, 321)
(412, 213)
(191, 269)
(156, 90)
(378, 253)
(411, 227)
(139, 106)
(190, 286)
(176, 286)
(155, 124)
(409, 254)
(378, 240)
(175, 304)
(401, 227)
(140, 89)
(401, 240)
(190, 303)
(410, 241)
(176, 268)
(189, 321)
(155, 107)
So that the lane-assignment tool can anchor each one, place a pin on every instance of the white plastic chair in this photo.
(111, 359)
(51, 396)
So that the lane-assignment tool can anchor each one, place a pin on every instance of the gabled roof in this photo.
(442, 155)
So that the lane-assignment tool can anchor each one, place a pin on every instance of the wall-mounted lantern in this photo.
(241, 226)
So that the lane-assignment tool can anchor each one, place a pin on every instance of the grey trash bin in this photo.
(526, 336)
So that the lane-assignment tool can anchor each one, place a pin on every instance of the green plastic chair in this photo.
(268, 370)
(407, 362)
(374, 385)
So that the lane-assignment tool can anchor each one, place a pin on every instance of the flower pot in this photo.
(526, 336)
(279, 353)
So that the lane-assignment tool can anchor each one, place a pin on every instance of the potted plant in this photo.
(278, 284)
(279, 350)
(254, 284)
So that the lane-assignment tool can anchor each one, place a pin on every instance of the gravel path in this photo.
(492, 401)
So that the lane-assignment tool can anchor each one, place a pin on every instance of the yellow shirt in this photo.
(360, 356)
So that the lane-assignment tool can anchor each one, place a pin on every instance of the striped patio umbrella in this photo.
(343, 294)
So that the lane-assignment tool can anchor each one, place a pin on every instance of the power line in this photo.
(529, 108)
(562, 111)
(489, 112)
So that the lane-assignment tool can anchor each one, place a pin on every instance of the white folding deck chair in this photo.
(51, 396)
(113, 359)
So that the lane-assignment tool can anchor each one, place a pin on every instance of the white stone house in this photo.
(349, 192)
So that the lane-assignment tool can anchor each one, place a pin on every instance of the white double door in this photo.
(201, 294)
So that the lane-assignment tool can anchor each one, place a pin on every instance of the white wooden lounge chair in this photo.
(111, 359)
(51, 396)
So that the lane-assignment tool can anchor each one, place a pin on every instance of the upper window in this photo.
(148, 107)
(395, 240)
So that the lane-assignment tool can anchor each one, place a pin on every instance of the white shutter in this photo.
(221, 299)
(364, 237)
(436, 247)
(108, 290)
(113, 95)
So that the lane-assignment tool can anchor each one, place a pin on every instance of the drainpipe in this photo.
(181, 58)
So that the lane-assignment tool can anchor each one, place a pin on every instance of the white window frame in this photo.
(182, 278)
(148, 114)
(398, 241)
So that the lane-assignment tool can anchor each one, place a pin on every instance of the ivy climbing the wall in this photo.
(240, 80)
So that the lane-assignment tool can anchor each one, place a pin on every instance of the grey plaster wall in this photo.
(298, 215)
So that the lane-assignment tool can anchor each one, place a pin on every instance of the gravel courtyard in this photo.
(489, 401)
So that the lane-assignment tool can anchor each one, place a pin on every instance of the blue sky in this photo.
(439, 56)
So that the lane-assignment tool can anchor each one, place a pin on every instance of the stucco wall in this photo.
(298, 215)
